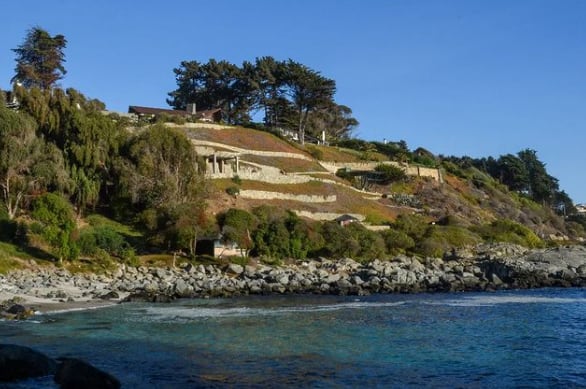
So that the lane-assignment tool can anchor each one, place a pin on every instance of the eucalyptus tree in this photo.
(39, 59)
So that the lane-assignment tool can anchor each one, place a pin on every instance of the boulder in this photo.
(110, 295)
(183, 289)
(145, 297)
(234, 268)
(74, 373)
(17, 312)
(20, 362)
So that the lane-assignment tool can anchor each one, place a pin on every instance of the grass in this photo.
(97, 220)
(308, 188)
(339, 154)
(244, 138)
(289, 165)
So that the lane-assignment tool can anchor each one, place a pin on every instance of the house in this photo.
(346, 220)
(217, 247)
(581, 209)
(10, 99)
(149, 113)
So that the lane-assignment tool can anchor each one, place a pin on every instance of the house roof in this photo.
(154, 111)
(345, 218)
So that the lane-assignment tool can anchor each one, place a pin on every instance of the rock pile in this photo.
(489, 267)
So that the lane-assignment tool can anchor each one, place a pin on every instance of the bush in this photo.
(390, 173)
(54, 215)
(413, 225)
(315, 152)
(237, 180)
(510, 232)
(440, 239)
(397, 242)
(233, 191)
(104, 238)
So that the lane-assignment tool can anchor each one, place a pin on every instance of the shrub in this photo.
(55, 216)
(237, 180)
(233, 191)
(413, 225)
(315, 152)
(508, 231)
(104, 238)
(390, 173)
(440, 239)
(397, 242)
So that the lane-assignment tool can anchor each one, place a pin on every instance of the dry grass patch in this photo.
(289, 165)
(244, 138)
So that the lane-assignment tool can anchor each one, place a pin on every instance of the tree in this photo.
(542, 186)
(267, 79)
(237, 226)
(39, 59)
(335, 120)
(160, 170)
(27, 164)
(513, 173)
(308, 91)
(88, 140)
(215, 84)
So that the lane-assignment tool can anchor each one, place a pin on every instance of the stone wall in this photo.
(266, 195)
(412, 170)
(326, 216)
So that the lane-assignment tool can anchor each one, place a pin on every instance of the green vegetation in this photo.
(509, 231)
(291, 95)
(79, 187)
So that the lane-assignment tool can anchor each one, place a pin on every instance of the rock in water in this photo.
(74, 373)
(19, 362)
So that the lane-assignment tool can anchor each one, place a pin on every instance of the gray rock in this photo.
(74, 374)
(19, 362)
(234, 268)
(183, 289)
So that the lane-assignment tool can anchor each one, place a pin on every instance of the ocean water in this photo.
(508, 339)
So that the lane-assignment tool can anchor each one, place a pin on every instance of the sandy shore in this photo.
(54, 305)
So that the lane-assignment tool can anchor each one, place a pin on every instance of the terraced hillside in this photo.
(258, 168)
(274, 171)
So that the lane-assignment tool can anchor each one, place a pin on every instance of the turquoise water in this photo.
(486, 340)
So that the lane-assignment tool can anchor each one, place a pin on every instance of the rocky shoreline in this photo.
(486, 268)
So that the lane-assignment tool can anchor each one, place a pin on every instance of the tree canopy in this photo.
(39, 59)
(291, 95)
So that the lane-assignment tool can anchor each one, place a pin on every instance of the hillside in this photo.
(270, 167)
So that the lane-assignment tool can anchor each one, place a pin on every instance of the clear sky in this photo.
(457, 77)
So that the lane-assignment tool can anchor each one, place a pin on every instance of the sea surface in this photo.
(508, 339)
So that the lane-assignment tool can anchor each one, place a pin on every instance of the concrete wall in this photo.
(266, 195)
(325, 216)
(412, 170)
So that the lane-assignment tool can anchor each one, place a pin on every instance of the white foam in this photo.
(491, 300)
(76, 309)
(176, 313)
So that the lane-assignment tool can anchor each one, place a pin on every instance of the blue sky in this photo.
(457, 77)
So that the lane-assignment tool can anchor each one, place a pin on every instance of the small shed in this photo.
(216, 246)
(345, 220)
